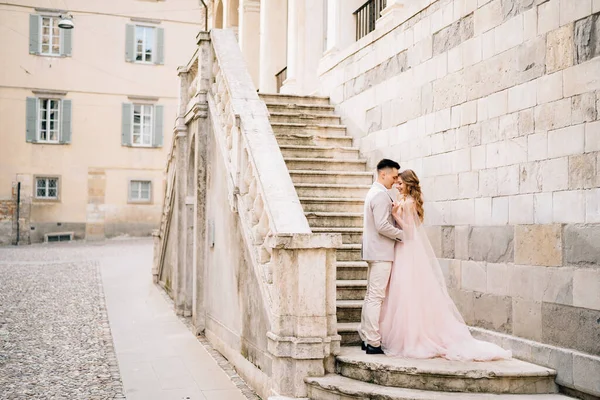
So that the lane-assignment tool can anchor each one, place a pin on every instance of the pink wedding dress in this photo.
(418, 317)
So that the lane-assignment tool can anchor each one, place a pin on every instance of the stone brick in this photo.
(558, 359)
(555, 174)
(569, 207)
(448, 242)
(434, 234)
(509, 34)
(537, 146)
(498, 277)
(582, 244)
(584, 108)
(573, 10)
(462, 212)
(468, 184)
(595, 9)
(445, 188)
(455, 59)
(488, 17)
(586, 288)
(566, 141)
(464, 300)
(542, 208)
(530, 178)
(483, 211)
(508, 180)
(449, 91)
(528, 282)
(582, 171)
(488, 43)
(527, 319)
(452, 272)
(592, 206)
(571, 327)
(469, 113)
(453, 35)
(490, 131)
(520, 209)
(587, 38)
(526, 122)
(497, 104)
(560, 51)
(511, 8)
(548, 16)
(531, 60)
(507, 152)
(582, 78)
(477, 157)
(492, 244)
(559, 285)
(586, 371)
(500, 210)
(538, 245)
(493, 312)
(522, 96)
(461, 242)
(530, 18)
(373, 119)
(508, 125)
(592, 137)
(473, 276)
(472, 51)
(550, 88)
(553, 115)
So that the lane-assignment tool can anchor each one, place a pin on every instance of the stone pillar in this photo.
(249, 36)
(231, 13)
(273, 43)
(305, 23)
(202, 127)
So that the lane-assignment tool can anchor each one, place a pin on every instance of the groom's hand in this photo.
(395, 207)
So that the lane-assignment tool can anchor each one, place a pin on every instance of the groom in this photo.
(379, 236)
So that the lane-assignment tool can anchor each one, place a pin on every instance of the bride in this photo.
(418, 317)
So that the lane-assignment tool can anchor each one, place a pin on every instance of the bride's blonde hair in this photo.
(413, 188)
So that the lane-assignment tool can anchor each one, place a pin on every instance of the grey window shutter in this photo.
(126, 123)
(67, 41)
(129, 43)
(157, 139)
(34, 34)
(160, 46)
(65, 124)
(31, 119)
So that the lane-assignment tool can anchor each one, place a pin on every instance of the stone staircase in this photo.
(331, 180)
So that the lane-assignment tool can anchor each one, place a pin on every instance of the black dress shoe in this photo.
(374, 350)
(363, 346)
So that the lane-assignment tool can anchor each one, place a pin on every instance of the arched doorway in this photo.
(233, 13)
(218, 16)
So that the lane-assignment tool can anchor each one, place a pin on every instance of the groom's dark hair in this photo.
(386, 163)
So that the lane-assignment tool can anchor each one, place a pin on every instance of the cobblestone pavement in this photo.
(55, 341)
(83, 321)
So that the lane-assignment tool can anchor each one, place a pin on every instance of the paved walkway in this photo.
(158, 356)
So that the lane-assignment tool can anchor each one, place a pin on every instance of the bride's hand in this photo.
(395, 207)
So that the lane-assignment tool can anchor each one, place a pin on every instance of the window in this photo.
(142, 125)
(139, 191)
(50, 36)
(46, 38)
(46, 188)
(144, 43)
(49, 120)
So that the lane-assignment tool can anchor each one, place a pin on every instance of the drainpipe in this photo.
(18, 210)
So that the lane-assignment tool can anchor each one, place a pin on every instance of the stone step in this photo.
(502, 377)
(326, 204)
(332, 190)
(349, 252)
(344, 153)
(325, 164)
(304, 118)
(321, 109)
(348, 310)
(332, 177)
(332, 219)
(305, 139)
(293, 99)
(349, 333)
(352, 270)
(351, 290)
(282, 128)
(349, 235)
(338, 387)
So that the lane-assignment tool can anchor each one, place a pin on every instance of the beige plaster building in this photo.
(86, 114)
(494, 103)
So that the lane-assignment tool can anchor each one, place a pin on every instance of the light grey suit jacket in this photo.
(379, 230)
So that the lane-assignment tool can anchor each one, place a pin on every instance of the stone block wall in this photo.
(7, 213)
(495, 104)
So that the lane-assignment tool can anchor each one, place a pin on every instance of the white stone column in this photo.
(249, 37)
(305, 46)
(273, 43)
(231, 13)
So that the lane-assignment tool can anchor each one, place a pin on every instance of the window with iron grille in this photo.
(366, 16)
(46, 188)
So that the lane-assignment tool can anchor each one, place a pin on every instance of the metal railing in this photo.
(366, 16)
(281, 76)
